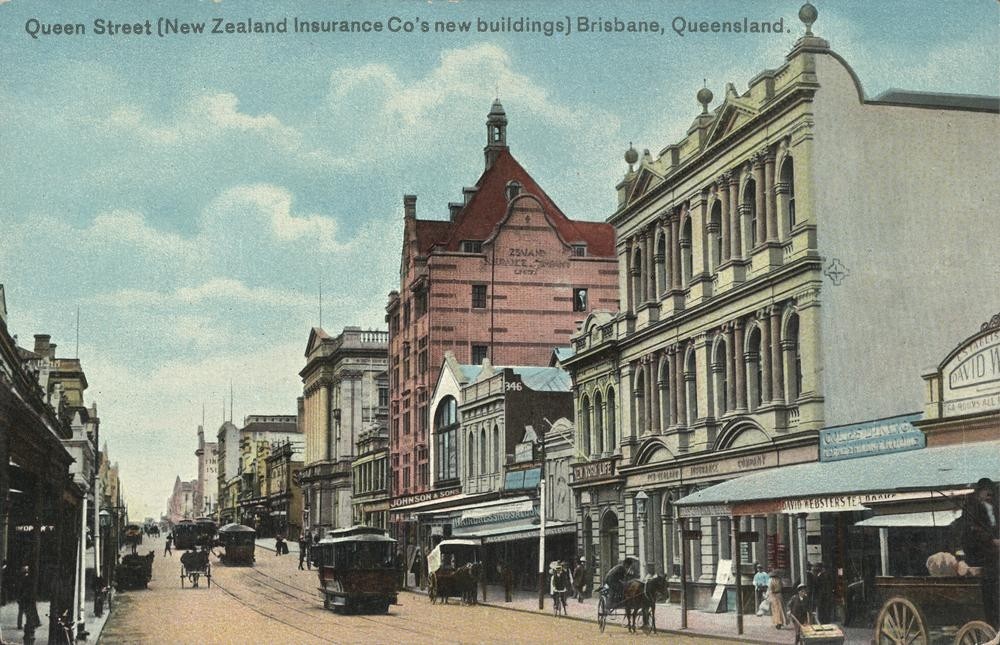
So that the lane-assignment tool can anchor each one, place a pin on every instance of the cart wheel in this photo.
(974, 632)
(208, 576)
(326, 601)
(183, 575)
(900, 622)
(602, 613)
(432, 589)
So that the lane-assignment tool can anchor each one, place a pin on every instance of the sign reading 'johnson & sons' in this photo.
(895, 434)
(594, 470)
(396, 502)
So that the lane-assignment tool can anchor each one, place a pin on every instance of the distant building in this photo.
(256, 437)
(181, 503)
(371, 477)
(207, 493)
(345, 391)
(284, 494)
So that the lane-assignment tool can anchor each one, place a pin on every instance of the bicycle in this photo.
(559, 603)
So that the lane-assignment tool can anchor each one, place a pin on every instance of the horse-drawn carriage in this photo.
(134, 571)
(636, 598)
(238, 542)
(133, 536)
(927, 610)
(357, 570)
(194, 565)
(455, 570)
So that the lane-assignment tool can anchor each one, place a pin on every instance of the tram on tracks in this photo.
(357, 570)
(189, 534)
(238, 543)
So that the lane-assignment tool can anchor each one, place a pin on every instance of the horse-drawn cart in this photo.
(134, 571)
(931, 610)
(194, 565)
(455, 570)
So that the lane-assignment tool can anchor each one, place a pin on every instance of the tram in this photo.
(238, 542)
(357, 571)
(191, 533)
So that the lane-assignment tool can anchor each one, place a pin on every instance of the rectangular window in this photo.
(479, 296)
(479, 352)
(580, 299)
(580, 250)
(420, 301)
(472, 246)
(406, 422)
(422, 420)
(383, 396)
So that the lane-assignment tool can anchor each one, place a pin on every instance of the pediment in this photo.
(734, 114)
(646, 178)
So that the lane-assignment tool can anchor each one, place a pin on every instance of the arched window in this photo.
(497, 452)
(716, 221)
(665, 393)
(719, 371)
(755, 369)
(585, 423)
(470, 469)
(446, 438)
(750, 207)
(612, 441)
(787, 178)
(483, 454)
(794, 359)
(687, 261)
(638, 290)
(691, 380)
(661, 265)
(639, 396)
(598, 442)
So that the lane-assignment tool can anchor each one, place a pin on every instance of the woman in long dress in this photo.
(774, 592)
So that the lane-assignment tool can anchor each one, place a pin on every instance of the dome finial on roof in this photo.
(705, 96)
(631, 156)
(808, 14)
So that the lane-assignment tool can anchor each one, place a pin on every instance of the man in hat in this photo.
(798, 609)
(580, 575)
(616, 578)
(981, 543)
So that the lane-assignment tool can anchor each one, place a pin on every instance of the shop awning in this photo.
(850, 484)
(931, 518)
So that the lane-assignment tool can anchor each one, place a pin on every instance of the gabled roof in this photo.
(731, 114)
(487, 207)
(316, 338)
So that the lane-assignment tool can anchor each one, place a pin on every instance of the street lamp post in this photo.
(640, 506)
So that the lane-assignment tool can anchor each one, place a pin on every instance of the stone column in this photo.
(727, 225)
(647, 394)
(772, 213)
(764, 317)
(643, 269)
(736, 239)
(668, 262)
(788, 354)
(626, 273)
(777, 373)
(761, 209)
(713, 229)
(741, 370)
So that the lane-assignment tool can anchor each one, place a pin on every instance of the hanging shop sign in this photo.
(880, 437)
(498, 514)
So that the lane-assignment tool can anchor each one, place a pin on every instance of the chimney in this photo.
(454, 208)
(42, 344)
(52, 351)
(468, 192)
(410, 206)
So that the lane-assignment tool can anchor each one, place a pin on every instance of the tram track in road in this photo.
(291, 598)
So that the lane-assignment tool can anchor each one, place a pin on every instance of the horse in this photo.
(641, 596)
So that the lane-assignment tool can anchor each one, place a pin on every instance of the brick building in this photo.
(506, 277)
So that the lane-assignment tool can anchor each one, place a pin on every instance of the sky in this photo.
(192, 194)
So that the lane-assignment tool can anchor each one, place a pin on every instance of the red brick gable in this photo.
(478, 219)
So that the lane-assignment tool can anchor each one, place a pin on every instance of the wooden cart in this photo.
(930, 610)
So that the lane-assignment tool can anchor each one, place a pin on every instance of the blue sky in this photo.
(190, 193)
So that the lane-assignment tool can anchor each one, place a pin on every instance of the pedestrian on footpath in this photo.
(580, 575)
(507, 577)
(26, 607)
(304, 544)
(760, 582)
(280, 548)
(166, 545)
(775, 594)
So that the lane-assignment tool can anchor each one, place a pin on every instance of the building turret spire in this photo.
(496, 133)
